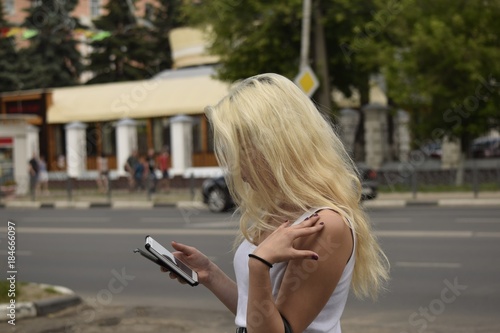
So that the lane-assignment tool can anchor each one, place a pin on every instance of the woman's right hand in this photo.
(194, 259)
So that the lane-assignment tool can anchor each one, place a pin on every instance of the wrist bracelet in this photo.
(267, 263)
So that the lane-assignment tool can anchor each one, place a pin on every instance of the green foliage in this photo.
(251, 36)
(441, 63)
(8, 59)
(256, 36)
(127, 54)
(52, 58)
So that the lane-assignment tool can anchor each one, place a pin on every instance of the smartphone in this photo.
(151, 257)
(169, 261)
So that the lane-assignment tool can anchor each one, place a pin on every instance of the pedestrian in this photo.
(130, 167)
(140, 173)
(151, 162)
(304, 237)
(102, 179)
(43, 177)
(163, 162)
(33, 173)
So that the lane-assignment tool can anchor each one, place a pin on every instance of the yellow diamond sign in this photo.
(307, 81)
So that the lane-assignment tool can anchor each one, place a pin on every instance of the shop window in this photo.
(161, 134)
(6, 160)
(108, 137)
(10, 8)
(95, 8)
(197, 135)
(92, 138)
(142, 137)
(60, 140)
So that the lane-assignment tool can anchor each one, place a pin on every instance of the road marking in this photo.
(408, 264)
(18, 253)
(424, 234)
(391, 220)
(487, 234)
(66, 219)
(117, 231)
(477, 220)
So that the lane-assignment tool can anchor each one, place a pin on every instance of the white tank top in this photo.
(328, 320)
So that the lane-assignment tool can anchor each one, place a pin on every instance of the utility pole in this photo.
(306, 34)
(323, 95)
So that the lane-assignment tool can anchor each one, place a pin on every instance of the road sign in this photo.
(307, 81)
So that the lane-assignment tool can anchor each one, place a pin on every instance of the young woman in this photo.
(304, 239)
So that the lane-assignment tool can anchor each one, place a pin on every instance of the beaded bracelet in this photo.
(267, 263)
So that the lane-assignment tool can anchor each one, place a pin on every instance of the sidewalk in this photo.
(184, 197)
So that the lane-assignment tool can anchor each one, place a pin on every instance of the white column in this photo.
(349, 120)
(402, 134)
(20, 160)
(450, 153)
(76, 149)
(376, 145)
(181, 138)
(126, 142)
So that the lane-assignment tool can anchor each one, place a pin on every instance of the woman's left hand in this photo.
(278, 246)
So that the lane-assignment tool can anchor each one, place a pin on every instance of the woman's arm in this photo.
(307, 284)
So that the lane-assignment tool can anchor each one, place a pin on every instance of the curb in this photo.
(41, 307)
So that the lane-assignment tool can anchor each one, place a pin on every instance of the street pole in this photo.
(306, 34)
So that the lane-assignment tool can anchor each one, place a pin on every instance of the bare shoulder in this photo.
(336, 231)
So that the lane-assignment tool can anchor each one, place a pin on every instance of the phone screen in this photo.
(163, 251)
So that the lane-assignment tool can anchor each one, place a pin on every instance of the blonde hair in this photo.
(267, 130)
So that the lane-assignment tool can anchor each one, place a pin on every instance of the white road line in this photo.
(391, 220)
(66, 219)
(423, 234)
(487, 234)
(158, 220)
(117, 231)
(477, 220)
(408, 264)
(18, 252)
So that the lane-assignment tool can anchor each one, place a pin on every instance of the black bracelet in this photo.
(267, 263)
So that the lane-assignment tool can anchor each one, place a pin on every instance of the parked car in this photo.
(218, 199)
(486, 147)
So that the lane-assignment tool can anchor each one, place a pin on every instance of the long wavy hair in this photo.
(279, 152)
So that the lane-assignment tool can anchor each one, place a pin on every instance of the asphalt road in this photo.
(445, 267)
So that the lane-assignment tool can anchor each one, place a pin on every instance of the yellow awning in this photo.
(137, 99)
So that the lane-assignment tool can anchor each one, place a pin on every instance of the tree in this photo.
(8, 58)
(52, 58)
(441, 64)
(256, 36)
(166, 17)
(127, 54)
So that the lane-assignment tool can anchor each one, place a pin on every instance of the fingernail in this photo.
(307, 218)
(322, 223)
(315, 214)
(315, 257)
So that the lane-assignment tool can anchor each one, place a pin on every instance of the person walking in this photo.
(43, 177)
(151, 168)
(163, 162)
(131, 166)
(102, 179)
(33, 174)
(304, 238)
